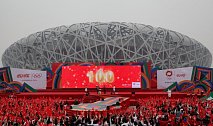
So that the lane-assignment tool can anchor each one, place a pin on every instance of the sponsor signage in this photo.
(35, 78)
(167, 77)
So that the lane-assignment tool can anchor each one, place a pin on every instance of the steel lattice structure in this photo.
(106, 42)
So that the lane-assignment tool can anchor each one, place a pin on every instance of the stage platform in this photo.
(99, 105)
(81, 94)
(101, 89)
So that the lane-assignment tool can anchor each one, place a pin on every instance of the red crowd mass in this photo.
(22, 111)
(152, 111)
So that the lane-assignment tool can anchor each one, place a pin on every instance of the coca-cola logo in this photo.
(23, 75)
(181, 75)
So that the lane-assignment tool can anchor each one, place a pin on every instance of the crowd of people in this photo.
(151, 111)
(27, 111)
(154, 111)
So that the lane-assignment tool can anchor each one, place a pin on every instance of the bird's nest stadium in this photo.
(98, 42)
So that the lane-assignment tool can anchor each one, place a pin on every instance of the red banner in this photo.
(102, 76)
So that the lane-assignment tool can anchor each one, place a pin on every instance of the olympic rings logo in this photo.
(37, 75)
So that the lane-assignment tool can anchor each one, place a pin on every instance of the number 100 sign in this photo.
(101, 76)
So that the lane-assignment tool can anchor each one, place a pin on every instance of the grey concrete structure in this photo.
(107, 42)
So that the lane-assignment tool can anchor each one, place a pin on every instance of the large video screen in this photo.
(102, 76)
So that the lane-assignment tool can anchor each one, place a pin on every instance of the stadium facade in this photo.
(106, 42)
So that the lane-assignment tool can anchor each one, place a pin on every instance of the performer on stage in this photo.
(169, 93)
(104, 89)
(97, 88)
(114, 89)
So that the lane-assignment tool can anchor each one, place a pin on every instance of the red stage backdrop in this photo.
(108, 76)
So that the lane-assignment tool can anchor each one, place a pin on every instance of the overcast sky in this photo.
(20, 18)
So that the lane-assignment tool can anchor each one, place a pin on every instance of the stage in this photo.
(76, 94)
(99, 105)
